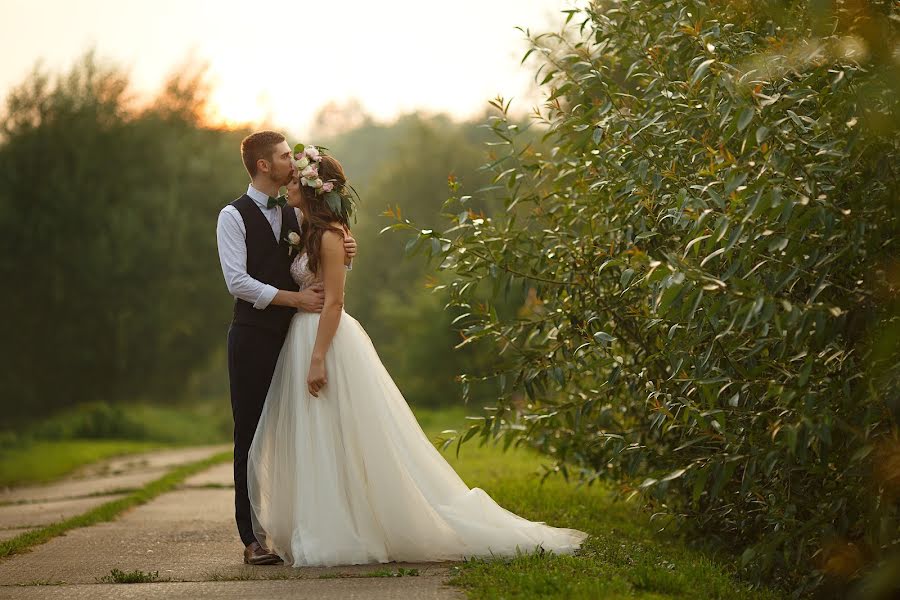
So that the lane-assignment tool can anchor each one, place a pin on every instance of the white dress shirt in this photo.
(231, 237)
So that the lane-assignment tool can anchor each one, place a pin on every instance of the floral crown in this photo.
(340, 198)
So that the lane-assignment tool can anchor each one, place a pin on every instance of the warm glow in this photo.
(279, 63)
(231, 106)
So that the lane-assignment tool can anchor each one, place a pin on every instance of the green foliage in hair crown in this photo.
(340, 198)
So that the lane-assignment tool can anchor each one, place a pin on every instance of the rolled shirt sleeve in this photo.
(232, 243)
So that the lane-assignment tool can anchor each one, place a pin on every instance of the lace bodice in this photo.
(300, 272)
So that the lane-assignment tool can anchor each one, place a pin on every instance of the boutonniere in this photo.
(294, 242)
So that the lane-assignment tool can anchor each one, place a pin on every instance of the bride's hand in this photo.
(316, 379)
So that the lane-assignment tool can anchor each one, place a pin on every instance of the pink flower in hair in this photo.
(327, 186)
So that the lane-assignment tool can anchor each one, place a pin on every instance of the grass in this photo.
(626, 557)
(59, 445)
(117, 576)
(399, 572)
(110, 510)
(43, 461)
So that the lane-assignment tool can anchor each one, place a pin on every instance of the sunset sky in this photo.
(280, 61)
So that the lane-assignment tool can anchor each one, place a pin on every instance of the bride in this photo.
(339, 471)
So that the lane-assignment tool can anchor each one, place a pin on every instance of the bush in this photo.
(200, 423)
(710, 249)
(94, 420)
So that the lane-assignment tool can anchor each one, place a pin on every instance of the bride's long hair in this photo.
(317, 217)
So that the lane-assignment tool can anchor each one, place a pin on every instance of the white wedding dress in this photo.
(350, 477)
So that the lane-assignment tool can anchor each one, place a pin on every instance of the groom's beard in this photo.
(282, 181)
(288, 177)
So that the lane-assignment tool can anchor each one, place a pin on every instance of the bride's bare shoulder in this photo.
(332, 239)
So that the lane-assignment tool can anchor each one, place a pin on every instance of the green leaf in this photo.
(649, 482)
(411, 244)
(747, 556)
(862, 452)
(694, 241)
(712, 255)
(701, 70)
(674, 475)
(603, 337)
(558, 375)
(699, 484)
(333, 200)
(745, 117)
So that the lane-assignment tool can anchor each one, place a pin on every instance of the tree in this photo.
(710, 247)
(107, 223)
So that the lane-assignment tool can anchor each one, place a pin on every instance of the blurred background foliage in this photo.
(708, 251)
(106, 253)
(115, 291)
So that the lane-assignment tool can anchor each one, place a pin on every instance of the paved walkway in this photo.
(28, 507)
(188, 536)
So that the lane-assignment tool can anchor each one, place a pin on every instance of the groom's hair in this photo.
(255, 146)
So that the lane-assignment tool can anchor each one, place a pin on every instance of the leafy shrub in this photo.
(94, 420)
(710, 252)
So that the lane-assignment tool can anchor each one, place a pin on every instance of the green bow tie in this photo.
(280, 201)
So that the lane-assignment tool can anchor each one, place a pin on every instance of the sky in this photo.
(278, 62)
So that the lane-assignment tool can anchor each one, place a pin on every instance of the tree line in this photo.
(107, 219)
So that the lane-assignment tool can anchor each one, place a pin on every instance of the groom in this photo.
(252, 238)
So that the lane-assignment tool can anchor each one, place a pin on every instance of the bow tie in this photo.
(280, 201)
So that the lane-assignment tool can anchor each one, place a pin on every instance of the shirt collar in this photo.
(257, 196)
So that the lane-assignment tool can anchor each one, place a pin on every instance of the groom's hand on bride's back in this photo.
(349, 247)
(312, 299)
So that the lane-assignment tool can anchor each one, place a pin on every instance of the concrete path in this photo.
(188, 536)
(27, 507)
(112, 475)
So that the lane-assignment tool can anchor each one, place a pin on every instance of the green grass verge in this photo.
(43, 461)
(626, 557)
(110, 510)
(203, 422)
(50, 448)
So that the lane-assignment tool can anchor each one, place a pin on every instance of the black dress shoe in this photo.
(256, 554)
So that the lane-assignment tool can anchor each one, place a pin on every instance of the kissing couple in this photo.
(330, 465)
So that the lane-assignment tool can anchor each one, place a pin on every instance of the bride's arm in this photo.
(331, 265)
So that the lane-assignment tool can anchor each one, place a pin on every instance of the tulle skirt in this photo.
(350, 477)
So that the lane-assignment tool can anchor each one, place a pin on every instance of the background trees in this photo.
(107, 256)
(108, 206)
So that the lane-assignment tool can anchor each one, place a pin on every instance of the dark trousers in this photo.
(252, 354)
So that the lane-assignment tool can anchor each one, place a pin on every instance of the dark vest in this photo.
(267, 261)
